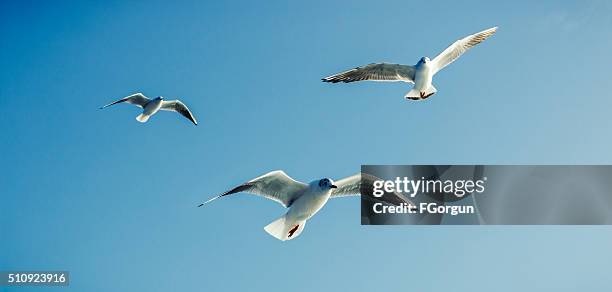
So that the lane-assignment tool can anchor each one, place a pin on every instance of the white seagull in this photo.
(303, 200)
(152, 106)
(420, 74)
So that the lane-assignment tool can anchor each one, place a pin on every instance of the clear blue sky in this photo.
(114, 201)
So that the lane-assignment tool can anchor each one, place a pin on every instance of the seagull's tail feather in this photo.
(277, 229)
(142, 118)
(283, 229)
(416, 94)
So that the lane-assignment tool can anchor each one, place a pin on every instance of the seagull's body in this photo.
(305, 206)
(303, 200)
(421, 74)
(152, 106)
(423, 77)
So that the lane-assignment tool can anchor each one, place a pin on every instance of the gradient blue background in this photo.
(114, 201)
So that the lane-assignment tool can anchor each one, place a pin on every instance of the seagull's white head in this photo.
(326, 184)
(424, 60)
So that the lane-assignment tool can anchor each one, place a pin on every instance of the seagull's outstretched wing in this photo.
(137, 99)
(454, 51)
(375, 72)
(179, 107)
(352, 185)
(275, 185)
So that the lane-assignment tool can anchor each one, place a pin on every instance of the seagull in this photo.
(420, 74)
(304, 200)
(152, 106)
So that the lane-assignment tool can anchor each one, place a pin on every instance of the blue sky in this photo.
(114, 201)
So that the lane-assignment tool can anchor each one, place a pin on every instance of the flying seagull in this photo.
(152, 106)
(304, 200)
(420, 74)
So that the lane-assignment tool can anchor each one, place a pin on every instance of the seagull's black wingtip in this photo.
(200, 205)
